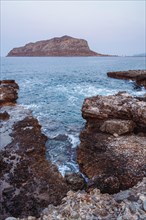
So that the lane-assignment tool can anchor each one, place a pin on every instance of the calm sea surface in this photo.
(54, 89)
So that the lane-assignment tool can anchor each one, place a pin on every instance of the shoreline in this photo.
(71, 183)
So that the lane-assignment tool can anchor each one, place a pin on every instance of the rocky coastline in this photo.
(28, 182)
(139, 76)
(112, 154)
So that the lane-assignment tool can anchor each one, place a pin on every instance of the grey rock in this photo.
(132, 208)
(11, 218)
(122, 195)
(144, 205)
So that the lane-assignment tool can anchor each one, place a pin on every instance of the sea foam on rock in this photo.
(112, 152)
(139, 76)
(28, 182)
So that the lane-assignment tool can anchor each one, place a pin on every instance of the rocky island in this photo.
(58, 46)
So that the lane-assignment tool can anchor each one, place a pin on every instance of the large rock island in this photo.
(58, 46)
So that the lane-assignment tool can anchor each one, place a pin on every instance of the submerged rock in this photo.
(4, 115)
(75, 181)
(112, 152)
(137, 75)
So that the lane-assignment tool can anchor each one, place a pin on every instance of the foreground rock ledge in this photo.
(139, 76)
(112, 152)
(28, 182)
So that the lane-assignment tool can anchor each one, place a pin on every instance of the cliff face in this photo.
(63, 46)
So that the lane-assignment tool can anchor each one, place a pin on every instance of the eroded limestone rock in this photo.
(139, 76)
(8, 91)
(112, 152)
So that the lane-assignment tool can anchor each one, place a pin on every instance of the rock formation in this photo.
(59, 46)
(137, 75)
(28, 182)
(8, 91)
(112, 152)
(129, 205)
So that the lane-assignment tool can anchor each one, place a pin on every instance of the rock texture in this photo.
(59, 46)
(125, 205)
(112, 152)
(28, 182)
(8, 91)
(137, 75)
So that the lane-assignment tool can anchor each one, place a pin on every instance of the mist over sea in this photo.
(54, 89)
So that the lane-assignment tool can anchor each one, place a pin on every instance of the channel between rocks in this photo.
(111, 153)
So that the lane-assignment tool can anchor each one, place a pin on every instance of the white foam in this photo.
(74, 140)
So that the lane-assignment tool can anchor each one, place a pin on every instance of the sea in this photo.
(54, 88)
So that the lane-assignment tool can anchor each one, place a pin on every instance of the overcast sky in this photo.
(111, 27)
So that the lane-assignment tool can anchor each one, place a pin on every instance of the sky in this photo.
(110, 27)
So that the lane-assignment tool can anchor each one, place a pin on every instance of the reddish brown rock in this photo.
(28, 182)
(112, 152)
(137, 75)
(59, 46)
(8, 91)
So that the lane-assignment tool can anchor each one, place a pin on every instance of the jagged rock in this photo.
(116, 126)
(110, 161)
(137, 75)
(59, 46)
(75, 181)
(28, 182)
(4, 115)
(9, 91)
(95, 205)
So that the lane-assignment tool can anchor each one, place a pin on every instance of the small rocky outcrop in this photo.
(112, 152)
(28, 182)
(128, 205)
(58, 46)
(139, 76)
(8, 91)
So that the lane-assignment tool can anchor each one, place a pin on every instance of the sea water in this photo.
(54, 89)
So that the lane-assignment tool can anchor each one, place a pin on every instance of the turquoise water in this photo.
(54, 89)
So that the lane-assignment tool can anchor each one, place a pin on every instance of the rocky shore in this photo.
(139, 76)
(112, 154)
(28, 182)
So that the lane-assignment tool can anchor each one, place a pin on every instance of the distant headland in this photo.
(58, 46)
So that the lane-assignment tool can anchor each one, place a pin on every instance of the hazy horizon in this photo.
(110, 27)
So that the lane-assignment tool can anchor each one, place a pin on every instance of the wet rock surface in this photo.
(28, 182)
(112, 152)
(137, 75)
(8, 91)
